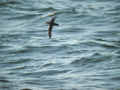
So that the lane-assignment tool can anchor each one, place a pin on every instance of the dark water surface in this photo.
(83, 54)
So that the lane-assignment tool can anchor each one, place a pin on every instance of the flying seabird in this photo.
(51, 23)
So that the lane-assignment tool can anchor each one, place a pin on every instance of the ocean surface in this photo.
(83, 53)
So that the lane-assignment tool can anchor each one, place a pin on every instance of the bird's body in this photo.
(51, 23)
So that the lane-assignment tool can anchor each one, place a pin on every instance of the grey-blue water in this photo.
(83, 53)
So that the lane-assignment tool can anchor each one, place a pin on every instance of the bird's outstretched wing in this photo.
(51, 24)
(50, 31)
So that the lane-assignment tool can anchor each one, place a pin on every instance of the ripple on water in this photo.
(19, 60)
(5, 83)
(91, 60)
